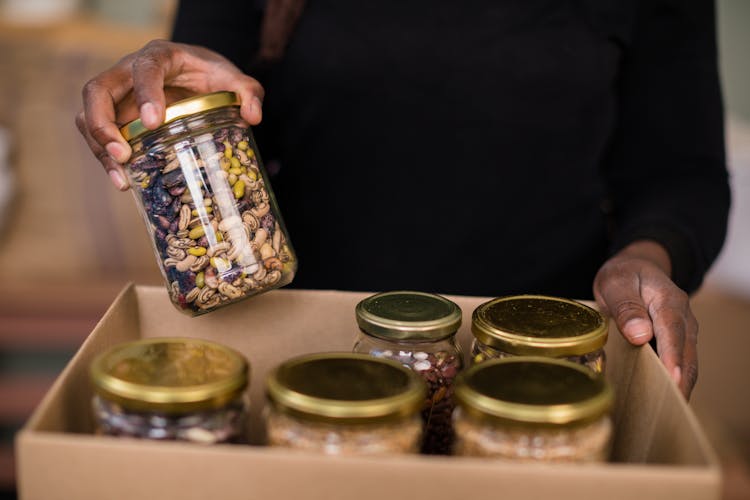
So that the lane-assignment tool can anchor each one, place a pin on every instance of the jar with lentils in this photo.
(171, 389)
(538, 325)
(533, 409)
(344, 404)
(417, 330)
(207, 203)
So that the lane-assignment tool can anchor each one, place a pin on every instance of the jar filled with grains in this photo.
(537, 325)
(344, 404)
(417, 330)
(171, 389)
(209, 209)
(533, 409)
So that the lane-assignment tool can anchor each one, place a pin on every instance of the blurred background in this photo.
(69, 241)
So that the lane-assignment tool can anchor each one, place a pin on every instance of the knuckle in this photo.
(627, 309)
(99, 133)
(91, 87)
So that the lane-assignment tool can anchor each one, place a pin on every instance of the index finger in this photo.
(100, 97)
(670, 331)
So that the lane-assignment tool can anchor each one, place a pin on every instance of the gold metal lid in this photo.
(181, 109)
(533, 391)
(539, 325)
(345, 388)
(170, 374)
(404, 315)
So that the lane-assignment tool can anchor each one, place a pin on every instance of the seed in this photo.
(227, 150)
(197, 251)
(200, 280)
(207, 209)
(235, 162)
(242, 145)
(235, 170)
(196, 233)
(239, 189)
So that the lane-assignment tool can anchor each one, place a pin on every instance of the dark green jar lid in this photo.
(407, 315)
(345, 388)
(532, 390)
(170, 374)
(539, 325)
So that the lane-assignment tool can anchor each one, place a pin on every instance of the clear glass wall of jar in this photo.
(538, 325)
(533, 409)
(417, 330)
(344, 404)
(205, 197)
(171, 389)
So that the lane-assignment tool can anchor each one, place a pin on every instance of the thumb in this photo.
(624, 303)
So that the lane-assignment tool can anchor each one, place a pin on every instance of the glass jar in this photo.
(419, 331)
(538, 325)
(344, 404)
(533, 409)
(204, 195)
(171, 389)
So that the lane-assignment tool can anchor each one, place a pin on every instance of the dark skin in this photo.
(633, 286)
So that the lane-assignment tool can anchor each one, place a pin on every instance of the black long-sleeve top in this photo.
(486, 147)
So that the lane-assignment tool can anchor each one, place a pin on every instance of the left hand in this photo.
(634, 288)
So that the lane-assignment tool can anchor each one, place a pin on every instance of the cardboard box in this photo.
(659, 449)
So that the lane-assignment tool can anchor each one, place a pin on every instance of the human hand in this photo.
(142, 83)
(634, 288)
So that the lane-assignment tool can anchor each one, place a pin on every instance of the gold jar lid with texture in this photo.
(345, 388)
(182, 109)
(171, 375)
(534, 391)
(539, 325)
(406, 315)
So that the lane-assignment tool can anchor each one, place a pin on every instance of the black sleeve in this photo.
(666, 175)
(229, 27)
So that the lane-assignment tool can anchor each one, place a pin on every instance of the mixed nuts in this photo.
(214, 222)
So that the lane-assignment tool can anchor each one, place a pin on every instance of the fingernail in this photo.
(117, 152)
(677, 375)
(148, 115)
(637, 329)
(117, 179)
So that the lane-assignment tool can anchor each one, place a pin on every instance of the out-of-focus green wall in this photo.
(734, 49)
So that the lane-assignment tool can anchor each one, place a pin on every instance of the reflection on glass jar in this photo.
(417, 330)
(344, 404)
(204, 195)
(533, 409)
(537, 325)
(171, 389)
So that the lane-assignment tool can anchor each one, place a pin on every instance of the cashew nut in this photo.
(185, 263)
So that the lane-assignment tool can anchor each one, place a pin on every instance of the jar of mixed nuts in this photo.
(344, 404)
(419, 331)
(204, 194)
(171, 389)
(533, 409)
(538, 325)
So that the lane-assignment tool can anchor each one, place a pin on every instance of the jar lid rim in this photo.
(533, 390)
(181, 109)
(170, 374)
(346, 387)
(539, 325)
(408, 316)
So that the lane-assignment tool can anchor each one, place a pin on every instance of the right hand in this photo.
(142, 83)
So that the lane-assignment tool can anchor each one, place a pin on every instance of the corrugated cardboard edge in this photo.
(150, 471)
